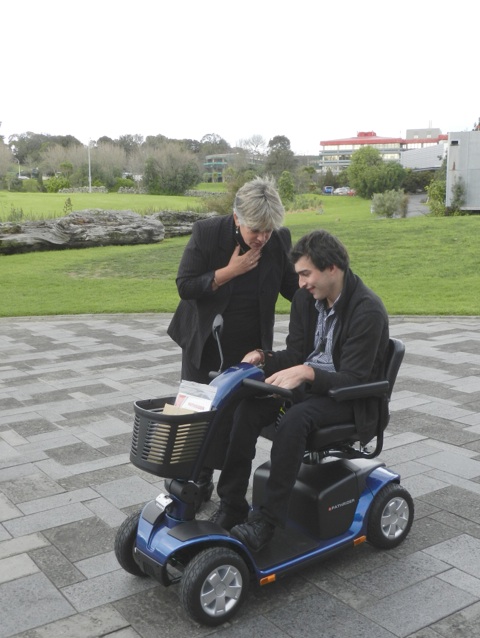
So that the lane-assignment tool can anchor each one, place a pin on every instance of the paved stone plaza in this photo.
(67, 385)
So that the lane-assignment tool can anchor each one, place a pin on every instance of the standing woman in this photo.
(234, 265)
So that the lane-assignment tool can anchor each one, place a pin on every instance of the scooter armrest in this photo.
(362, 391)
(267, 388)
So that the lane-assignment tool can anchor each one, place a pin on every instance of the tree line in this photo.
(163, 165)
(159, 165)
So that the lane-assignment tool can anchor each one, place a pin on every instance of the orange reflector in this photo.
(268, 579)
(359, 540)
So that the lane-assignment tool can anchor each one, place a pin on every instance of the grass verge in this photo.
(418, 265)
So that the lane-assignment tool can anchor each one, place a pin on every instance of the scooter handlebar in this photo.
(267, 388)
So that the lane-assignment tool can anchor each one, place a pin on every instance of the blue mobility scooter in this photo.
(343, 496)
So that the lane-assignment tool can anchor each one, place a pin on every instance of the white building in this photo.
(463, 166)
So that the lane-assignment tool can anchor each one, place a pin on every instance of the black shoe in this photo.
(255, 534)
(205, 491)
(226, 518)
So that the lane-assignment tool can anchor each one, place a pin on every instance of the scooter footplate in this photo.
(286, 545)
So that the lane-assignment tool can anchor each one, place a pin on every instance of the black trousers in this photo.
(287, 451)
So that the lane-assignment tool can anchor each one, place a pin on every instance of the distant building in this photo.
(429, 158)
(336, 155)
(463, 166)
(215, 165)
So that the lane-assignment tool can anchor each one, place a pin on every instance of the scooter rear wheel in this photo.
(214, 585)
(390, 517)
(125, 544)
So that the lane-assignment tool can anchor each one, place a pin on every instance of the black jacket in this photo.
(209, 248)
(360, 345)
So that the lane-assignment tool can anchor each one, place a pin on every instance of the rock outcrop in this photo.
(94, 227)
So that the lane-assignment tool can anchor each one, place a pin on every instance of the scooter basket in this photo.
(167, 445)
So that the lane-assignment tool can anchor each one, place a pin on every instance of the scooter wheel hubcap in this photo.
(395, 517)
(221, 590)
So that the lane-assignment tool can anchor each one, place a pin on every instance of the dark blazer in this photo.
(359, 348)
(210, 247)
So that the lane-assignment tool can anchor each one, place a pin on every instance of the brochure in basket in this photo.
(197, 397)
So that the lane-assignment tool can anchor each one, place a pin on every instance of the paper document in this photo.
(197, 397)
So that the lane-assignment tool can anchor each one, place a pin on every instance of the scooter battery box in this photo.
(323, 501)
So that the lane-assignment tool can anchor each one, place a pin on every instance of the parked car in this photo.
(328, 190)
(343, 190)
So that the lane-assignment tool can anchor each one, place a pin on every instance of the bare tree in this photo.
(56, 156)
(6, 159)
(255, 145)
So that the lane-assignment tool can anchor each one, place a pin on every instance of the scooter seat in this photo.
(326, 436)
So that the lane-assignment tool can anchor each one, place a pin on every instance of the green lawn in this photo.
(418, 265)
(51, 205)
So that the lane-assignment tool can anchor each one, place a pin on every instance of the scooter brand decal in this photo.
(338, 505)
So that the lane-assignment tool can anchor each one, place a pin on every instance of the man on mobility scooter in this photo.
(320, 487)
(338, 336)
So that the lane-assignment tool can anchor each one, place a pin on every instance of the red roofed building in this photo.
(337, 154)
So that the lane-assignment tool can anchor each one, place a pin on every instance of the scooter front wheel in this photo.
(390, 517)
(125, 544)
(214, 585)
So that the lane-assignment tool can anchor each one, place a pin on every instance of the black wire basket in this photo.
(167, 445)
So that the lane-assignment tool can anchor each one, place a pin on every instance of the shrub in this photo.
(437, 190)
(286, 187)
(122, 182)
(31, 186)
(54, 184)
(390, 204)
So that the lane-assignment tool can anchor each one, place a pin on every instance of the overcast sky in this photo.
(305, 69)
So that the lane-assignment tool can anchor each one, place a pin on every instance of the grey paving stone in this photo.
(259, 627)
(127, 491)
(463, 624)
(98, 565)
(426, 531)
(74, 453)
(457, 523)
(52, 502)
(80, 376)
(457, 501)
(31, 486)
(8, 509)
(57, 471)
(355, 561)
(56, 566)
(323, 614)
(344, 589)
(20, 610)
(418, 606)
(128, 632)
(16, 566)
(422, 484)
(12, 546)
(46, 520)
(387, 580)
(82, 539)
(101, 621)
(96, 477)
(464, 581)
(13, 472)
(105, 589)
(159, 608)
(106, 512)
(462, 552)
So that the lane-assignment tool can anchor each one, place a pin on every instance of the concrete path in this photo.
(67, 385)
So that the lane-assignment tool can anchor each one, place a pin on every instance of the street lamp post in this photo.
(89, 168)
